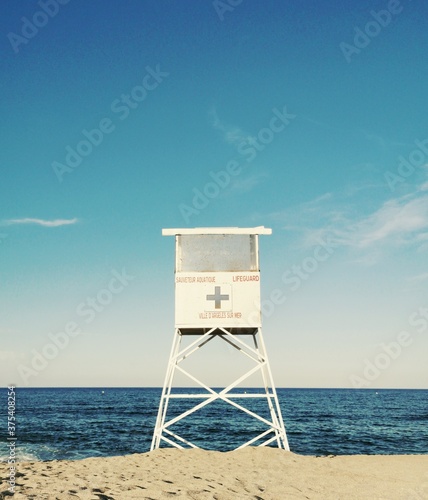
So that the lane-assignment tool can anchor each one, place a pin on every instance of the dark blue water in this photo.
(79, 423)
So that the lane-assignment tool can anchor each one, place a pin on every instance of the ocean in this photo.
(75, 423)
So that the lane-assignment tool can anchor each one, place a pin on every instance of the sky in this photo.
(123, 118)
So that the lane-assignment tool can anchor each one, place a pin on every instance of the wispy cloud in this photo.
(397, 222)
(40, 222)
(384, 143)
(11, 356)
(232, 134)
(248, 183)
(416, 283)
(419, 278)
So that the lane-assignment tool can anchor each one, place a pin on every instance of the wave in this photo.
(28, 452)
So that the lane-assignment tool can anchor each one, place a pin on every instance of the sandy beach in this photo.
(255, 473)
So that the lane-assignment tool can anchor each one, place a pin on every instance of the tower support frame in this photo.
(252, 347)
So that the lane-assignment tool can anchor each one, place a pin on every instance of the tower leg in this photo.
(166, 390)
(274, 408)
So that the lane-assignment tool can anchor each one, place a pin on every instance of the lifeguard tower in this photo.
(217, 296)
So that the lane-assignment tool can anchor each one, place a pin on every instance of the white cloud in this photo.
(418, 278)
(231, 133)
(245, 184)
(416, 283)
(11, 356)
(41, 222)
(397, 222)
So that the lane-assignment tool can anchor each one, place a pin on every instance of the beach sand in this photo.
(250, 473)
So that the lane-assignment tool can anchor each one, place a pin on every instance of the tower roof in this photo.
(216, 230)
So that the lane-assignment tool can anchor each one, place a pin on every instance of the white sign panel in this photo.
(228, 299)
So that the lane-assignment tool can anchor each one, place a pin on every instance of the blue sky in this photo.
(202, 113)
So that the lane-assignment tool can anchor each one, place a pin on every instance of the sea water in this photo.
(75, 423)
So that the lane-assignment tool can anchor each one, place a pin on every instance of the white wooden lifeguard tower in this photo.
(217, 296)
